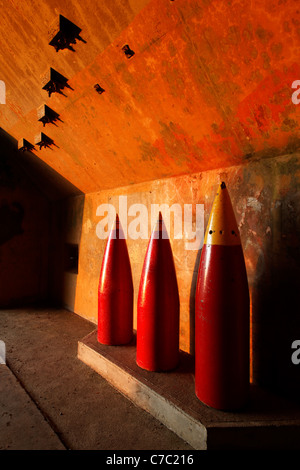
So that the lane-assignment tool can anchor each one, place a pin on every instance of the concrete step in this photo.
(268, 422)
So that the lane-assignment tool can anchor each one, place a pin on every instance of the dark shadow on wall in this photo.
(30, 194)
(11, 217)
(192, 302)
(275, 300)
(194, 284)
(67, 216)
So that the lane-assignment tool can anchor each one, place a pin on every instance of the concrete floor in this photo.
(50, 400)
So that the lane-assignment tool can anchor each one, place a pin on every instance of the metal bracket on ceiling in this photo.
(127, 51)
(46, 115)
(24, 145)
(99, 89)
(54, 82)
(63, 34)
(42, 140)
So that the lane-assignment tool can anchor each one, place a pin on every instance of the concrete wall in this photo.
(265, 196)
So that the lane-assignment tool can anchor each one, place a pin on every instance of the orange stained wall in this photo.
(209, 86)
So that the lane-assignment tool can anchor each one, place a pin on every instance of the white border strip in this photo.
(2, 353)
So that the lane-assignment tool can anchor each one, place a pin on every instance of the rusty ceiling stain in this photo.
(208, 86)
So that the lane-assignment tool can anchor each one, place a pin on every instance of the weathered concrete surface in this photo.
(22, 425)
(272, 422)
(82, 409)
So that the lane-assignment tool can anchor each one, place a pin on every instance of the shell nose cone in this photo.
(158, 305)
(160, 230)
(222, 228)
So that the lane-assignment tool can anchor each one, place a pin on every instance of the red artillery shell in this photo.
(115, 293)
(222, 312)
(158, 306)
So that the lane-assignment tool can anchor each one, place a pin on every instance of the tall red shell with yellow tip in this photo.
(222, 312)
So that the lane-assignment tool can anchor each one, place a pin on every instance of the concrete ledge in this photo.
(267, 422)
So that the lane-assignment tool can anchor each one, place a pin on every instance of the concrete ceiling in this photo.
(209, 85)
